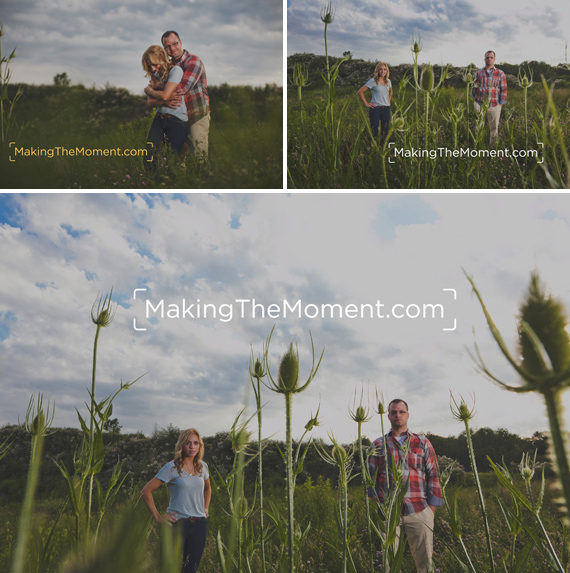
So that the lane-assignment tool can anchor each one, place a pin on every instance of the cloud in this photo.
(350, 249)
(97, 43)
(456, 32)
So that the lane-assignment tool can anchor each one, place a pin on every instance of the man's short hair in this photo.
(397, 400)
(487, 52)
(166, 34)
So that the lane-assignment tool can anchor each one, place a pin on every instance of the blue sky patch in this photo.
(10, 210)
(235, 223)
(75, 233)
(6, 320)
(402, 211)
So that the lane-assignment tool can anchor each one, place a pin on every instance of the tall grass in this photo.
(245, 141)
(436, 140)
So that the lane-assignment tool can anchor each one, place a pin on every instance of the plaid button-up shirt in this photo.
(195, 87)
(419, 468)
(490, 86)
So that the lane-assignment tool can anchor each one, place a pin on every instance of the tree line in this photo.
(144, 455)
(354, 72)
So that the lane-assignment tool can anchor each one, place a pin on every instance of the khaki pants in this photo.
(419, 530)
(493, 116)
(198, 136)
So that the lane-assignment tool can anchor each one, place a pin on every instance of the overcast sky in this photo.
(60, 250)
(240, 43)
(457, 32)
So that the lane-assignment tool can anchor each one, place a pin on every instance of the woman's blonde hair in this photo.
(377, 71)
(158, 54)
(179, 451)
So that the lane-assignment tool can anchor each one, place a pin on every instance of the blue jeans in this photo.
(379, 115)
(194, 541)
(175, 130)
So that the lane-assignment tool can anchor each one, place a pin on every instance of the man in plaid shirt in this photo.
(416, 456)
(490, 85)
(194, 87)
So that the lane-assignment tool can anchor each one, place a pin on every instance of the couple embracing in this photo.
(179, 90)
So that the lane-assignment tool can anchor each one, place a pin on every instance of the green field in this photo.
(316, 502)
(245, 149)
(436, 140)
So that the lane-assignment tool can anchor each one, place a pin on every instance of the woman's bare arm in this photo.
(146, 494)
(361, 94)
(207, 494)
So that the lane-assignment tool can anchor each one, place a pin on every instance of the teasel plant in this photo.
(469, 78)
(6, 445)
(453, 517)
(276, 516)
(416, 48)
(287, 383)
(389, 510)
(88, 462)
(361, 414)
(332, 125)
(339, 457)
(381, 410)
(462, 413)
(525, 83)
(37, 424)
(232, 487)
(300, 79)
(556, 161)
(543, 366)
(256, 373)
(454, 115)
(515, 520)
(428, 86)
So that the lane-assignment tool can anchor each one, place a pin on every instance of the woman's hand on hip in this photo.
(169, 518)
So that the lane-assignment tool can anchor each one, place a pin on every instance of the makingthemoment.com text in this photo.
(250, 308)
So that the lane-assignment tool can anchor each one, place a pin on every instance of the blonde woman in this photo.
(190, 492)
(379, 107)
(171, 122)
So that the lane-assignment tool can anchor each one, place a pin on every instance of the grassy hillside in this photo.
(245, 140)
